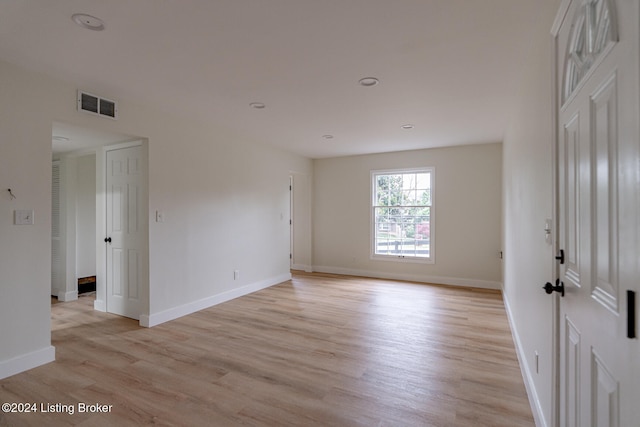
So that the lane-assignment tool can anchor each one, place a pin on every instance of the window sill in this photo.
(396, 258)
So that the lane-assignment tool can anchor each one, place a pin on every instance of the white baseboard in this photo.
(100, 305)
(27, 361)
(67, 296)
(189, 308)
(440, 280)
(534, 400)
(302, 267)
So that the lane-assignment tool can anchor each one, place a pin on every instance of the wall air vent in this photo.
(97, 105)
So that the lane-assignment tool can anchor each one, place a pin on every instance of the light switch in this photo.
(159, 216)
(23, 217)
(548, 228)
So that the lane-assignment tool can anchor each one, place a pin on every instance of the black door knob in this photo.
(107, 239)
(559, 287)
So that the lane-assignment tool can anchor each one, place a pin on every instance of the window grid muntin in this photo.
(396, 225)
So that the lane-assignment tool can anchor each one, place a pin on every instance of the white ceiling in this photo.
(67, 138)
(449, 67)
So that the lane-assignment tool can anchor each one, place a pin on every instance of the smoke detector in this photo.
(87, 21)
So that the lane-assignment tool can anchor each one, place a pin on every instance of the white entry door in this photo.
(597, 57)
(126, 231)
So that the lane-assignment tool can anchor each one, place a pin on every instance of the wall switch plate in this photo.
(548, 229)
(159, 216)
(236, 274)
(23, 217)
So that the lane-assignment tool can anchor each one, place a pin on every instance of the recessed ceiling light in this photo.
(87, 21)
(257, 105)
(327, 136)
(407, 126)
(368, 81)
(60, 139)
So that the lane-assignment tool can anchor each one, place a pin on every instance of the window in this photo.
(593, 31)
(402, 214)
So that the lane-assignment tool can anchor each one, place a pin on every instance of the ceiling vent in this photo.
(97, 105)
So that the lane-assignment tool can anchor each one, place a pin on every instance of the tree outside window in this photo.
(402, 214)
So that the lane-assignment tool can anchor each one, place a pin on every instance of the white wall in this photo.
(226, 208)
(223, 198)
(467, 217)
(527, 198)
(86, 216)
(77, 224)
(303, 202)
(25, 251)
(68, 287)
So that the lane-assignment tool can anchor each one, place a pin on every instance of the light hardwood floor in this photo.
(318, 350)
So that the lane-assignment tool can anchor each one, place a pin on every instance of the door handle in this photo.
(559, 287)
(107, 239)
(631, 314)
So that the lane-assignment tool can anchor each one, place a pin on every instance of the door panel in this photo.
(605, 169)
(126, 227)
(598, 161)
(605, 395)
(116, 272)
(133, 267)
(570, 198)
(572, 371)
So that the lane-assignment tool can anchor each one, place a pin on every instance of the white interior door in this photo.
(126, 231)
(597, 159)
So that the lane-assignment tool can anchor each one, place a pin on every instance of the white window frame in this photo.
(372, 228)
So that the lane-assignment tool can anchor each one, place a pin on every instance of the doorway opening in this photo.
(79, 262)
(290, 222)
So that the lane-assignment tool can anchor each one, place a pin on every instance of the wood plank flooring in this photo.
(318, 350)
